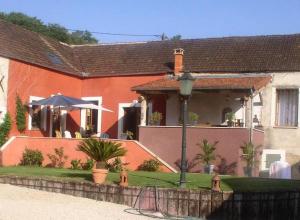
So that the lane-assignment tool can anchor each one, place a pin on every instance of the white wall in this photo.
(278, 137)
(4, 66)
(208, 106)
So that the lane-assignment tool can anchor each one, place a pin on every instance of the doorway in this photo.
(91, 121)
(55, 123)
(131, 121)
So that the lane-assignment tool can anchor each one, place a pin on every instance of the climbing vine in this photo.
(20, 115)
(5, 127)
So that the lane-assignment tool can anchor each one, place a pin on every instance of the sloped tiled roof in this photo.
(275, 53)
(232, 82)
(21, 44)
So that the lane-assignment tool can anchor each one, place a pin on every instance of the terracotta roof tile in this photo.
(239, 82)
(213, 55)
(18, 43)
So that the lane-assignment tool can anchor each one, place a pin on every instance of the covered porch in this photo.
(216, 101)
(223, 108)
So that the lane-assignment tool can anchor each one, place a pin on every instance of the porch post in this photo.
(143, 102)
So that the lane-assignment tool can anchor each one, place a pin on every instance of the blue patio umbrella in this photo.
(60, 101)
(65, 102)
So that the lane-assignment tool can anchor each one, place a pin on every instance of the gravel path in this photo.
(22, 203)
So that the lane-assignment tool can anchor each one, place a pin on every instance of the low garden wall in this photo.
(178, 202)
(11, 152)
(165, 141)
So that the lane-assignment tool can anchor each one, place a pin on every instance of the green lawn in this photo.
(159, 179)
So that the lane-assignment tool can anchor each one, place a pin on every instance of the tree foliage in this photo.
(5, 127)
(175, 37)
(54, 31)
(20, 115)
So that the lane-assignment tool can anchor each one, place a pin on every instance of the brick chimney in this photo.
(178, 64)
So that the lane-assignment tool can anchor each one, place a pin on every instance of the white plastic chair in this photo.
(68, 134)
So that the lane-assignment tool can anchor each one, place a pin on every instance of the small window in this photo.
(54, 58)
(287, 107)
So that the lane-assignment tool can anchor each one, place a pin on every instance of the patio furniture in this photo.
(58, 134)
(78, 135)
(104, 136)
(123, 136)
(68, 134)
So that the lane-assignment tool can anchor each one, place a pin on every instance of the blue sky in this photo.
(190, 18)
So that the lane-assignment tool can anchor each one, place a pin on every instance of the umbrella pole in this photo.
(60, 122)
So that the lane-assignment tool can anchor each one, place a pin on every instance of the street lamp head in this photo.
(186, 84)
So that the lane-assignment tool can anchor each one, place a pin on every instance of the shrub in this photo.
(155, 118)
(88, 165)
(249, 156)
(57, 159)
(20, 115)
(32, 158)
(115, 166)
(149, 165)
(207, 154)
(193, 118)
(5, 127)
(75, 164)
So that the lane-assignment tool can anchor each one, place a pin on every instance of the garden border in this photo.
(176, 202)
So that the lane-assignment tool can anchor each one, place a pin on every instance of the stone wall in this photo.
(177, 202)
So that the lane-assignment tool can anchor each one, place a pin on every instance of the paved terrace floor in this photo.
(18, 203)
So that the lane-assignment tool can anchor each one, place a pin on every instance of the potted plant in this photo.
(193, 118)
(207, 155)
(101, 151)
(230, 116)
(249, 152)
(155, 118)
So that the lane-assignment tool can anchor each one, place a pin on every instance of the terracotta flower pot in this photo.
(99, 175)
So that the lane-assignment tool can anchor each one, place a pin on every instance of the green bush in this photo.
(88, 165)
(149, 165)
(5, 127)
(32, 158)
(75, 165)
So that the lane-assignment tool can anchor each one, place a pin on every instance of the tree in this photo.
(20, 115)
(54, 31)
(82, 37)
(5, 127)
(175, 37)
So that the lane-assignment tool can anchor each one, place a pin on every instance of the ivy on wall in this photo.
(20, 115)
(5, 127)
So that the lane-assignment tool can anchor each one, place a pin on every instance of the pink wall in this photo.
(166, 143)
(28, 80)
(12, 153)
(114, 90)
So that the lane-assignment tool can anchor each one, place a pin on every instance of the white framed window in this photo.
(287, 107)
(37, 118)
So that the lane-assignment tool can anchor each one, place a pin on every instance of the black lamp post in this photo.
(186, 86)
